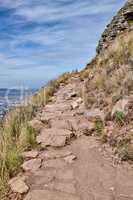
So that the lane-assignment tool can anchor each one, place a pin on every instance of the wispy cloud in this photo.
(40, 39)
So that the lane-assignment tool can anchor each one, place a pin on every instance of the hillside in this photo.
(120, 23)
(74, 139)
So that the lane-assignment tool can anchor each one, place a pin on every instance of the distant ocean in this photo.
(10, 97)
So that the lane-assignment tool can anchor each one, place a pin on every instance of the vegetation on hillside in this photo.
(17, 136)
(111, 76)
(109, 79)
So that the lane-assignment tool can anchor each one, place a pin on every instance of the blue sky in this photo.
(40, 39)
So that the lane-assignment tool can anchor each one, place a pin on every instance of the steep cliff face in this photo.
(121, 22)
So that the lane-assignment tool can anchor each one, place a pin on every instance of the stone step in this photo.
(53, 137)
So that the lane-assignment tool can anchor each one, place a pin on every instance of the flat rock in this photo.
(41, 178)
(61, 124)
(18, 185)
(55, 154)
(49, 195)
(56, 132)
(51, 140)
(53, 137)
(57, 107)
(32, 165)
(30, 154)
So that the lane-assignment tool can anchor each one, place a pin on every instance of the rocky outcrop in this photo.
(121, 22)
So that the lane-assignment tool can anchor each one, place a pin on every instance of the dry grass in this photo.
(16, 135)
(112, 75)
(110, 79)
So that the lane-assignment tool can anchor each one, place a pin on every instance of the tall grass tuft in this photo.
(111, 77)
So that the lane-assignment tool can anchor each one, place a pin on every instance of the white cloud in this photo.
(64, 32)
(53, 12)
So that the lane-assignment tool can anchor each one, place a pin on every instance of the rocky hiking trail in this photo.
(72, 164)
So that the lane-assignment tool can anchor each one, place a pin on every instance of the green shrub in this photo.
(125, 153)
(104, 138)
(99, 126)
(120, 118)
(31, 136)
(13, 160)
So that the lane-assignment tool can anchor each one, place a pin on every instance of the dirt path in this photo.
(73, 166)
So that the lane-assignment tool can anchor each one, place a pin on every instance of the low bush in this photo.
(120, 118)
(99, 127)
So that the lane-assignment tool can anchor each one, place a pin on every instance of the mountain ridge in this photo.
(118, 25)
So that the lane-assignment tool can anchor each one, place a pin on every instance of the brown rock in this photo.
(18, 185)
(51, 140)
(60, 124)
(53, 137)
(32, 165)
(42, 177)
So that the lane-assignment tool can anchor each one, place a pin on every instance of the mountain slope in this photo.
(89, 113)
